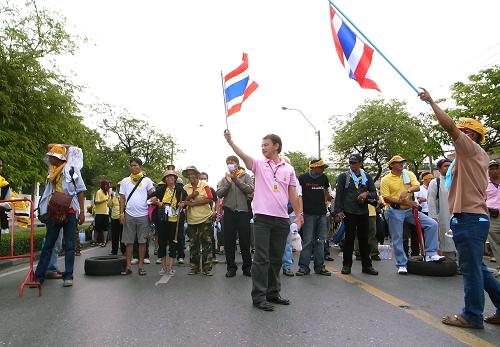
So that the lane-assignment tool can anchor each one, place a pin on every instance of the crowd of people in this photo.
(457, 211)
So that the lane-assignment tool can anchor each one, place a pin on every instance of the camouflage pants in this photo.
(200, 237)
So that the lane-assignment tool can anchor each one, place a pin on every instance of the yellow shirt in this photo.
(114, 203)
(201, 213)
(169, 198)
(101, 207)
(58, 187)
(392, 186)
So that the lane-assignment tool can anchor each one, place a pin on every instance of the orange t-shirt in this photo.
(470, 177)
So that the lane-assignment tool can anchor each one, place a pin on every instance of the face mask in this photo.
(232, 167)
(313, 174)
(203, 181)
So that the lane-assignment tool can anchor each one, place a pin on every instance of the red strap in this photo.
(209, 192)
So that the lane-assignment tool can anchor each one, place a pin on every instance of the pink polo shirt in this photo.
(493, 196)
(266, 201)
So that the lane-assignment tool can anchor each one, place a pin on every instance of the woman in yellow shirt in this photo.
(168, 219)
(102, 213)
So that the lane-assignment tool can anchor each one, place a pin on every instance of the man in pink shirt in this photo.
(493, 203)
(275, 183)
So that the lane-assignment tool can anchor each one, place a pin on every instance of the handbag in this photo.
(58, 207)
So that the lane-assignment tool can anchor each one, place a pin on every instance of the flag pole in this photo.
(375, 47)
(224, 95)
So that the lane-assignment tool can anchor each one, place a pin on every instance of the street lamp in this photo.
(316, 130)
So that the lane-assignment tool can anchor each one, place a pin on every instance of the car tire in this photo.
(105, 265)
(417, 266)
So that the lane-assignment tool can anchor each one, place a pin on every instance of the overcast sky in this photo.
(162, 60)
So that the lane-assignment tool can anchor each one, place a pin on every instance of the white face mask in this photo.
(232, 167)
(203, 181)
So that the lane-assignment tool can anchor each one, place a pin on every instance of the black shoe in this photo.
(301, 273)
(346, 270)
(230, 273)
(247, 273)
(288, 272)
(324, 272)
(370, 271)
(376, 257)
(279, 300)
(328, 258)
(264, 306)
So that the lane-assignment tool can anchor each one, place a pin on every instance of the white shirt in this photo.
(137, 205)
(422, 194)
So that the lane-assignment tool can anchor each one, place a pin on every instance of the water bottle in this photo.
(381, 251)
(389, 251)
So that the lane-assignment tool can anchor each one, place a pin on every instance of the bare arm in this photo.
(248, 160)
(122, 208)
(297, 206)
(443, 118)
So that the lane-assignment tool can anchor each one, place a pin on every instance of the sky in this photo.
(162, 61)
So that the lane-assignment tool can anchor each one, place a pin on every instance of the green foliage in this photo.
(378, 130)
(299, 161)
(22, 242)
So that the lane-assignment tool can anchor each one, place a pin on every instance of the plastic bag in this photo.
(295, 238)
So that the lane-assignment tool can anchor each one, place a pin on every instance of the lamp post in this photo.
(308, 121)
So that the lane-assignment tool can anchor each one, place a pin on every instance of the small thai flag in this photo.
(238, 86)
(352, 51)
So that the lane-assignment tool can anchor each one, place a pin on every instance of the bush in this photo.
(22, 242)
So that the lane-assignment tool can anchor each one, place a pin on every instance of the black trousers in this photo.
(166, 235)
(410, 234)
(356, 226)
(116, 236)
(237, 224)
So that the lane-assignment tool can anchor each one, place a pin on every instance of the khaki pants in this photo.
(494, 237)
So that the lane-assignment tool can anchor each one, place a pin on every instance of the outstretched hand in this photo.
(425, 96)
(227, 135)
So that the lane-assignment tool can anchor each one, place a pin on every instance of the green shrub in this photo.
(22, 242)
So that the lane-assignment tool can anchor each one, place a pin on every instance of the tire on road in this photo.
(417, 266)
(105, 265)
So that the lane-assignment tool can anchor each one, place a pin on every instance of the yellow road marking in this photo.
(457, 333)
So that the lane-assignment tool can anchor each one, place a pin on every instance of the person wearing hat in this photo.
(354, 189)
(234, 189)
(199, 219)
(168, 219)
(314, 197)
(467, 179)
(421, 195)
(275, 184)
(437, 200)
(69, 182)
(397, 188)
(134, 192)
(493, 204)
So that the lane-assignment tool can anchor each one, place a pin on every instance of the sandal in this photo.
(493, 319)
(126, 272)
(460, 322)
(142, 272)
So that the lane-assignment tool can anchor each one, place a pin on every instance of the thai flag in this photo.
(352, 51)
(238, 86)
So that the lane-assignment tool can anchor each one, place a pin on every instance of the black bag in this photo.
(494, 212)
(162, 216)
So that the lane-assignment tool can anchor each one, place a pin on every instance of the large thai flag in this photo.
(238, 86)
(352, 51)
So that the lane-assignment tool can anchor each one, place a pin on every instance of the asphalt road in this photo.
(355, 310)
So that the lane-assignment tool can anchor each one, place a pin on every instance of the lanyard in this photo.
(274, 171)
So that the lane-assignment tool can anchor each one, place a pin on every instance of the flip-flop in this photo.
(126, 272)
(142, 272)
(460, 322)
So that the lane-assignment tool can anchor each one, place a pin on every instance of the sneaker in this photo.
(147, 261)
(324, 272)
(402, 270)
(134, 261)
(180, 260)
(162, 272)
(158, 261)
(171, 272)
(301, 273)
(288, 272)
(68, 283)
(434, 258)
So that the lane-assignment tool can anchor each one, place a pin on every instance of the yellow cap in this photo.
(57, 151)
(429, 175)
(317, 163)
(396, 159)
(473, 124)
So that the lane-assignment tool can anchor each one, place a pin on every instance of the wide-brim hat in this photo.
(474, 125)
(190, 168)
(396, 159)
(169, 173)
(58, 152)
(317, 163)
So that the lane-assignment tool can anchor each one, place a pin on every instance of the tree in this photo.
(378, 130)
(299, 161)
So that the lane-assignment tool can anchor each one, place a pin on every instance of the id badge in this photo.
(275, 187)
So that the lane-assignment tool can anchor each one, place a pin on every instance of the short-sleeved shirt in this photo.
(422, 194)
(137, 205)
(493, 196)
(201, 213)
(267, 200)
(313, 194)
(470, 177)
(170, 199)
(391, 185)
(101, 207)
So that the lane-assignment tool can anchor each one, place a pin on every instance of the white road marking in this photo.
(163, 280)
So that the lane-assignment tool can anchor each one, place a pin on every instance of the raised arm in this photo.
(443, 118)
(248, 160)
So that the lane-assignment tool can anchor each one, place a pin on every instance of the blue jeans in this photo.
(470, 231)
(314, 233)
(286, 261)
(55, 253)
(396, 218)
(53, 231)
